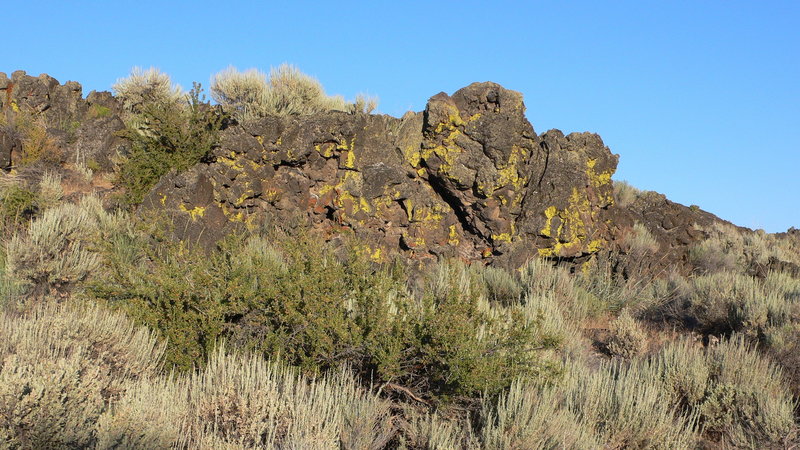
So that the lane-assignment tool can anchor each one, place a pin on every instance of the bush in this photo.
(250, 95)
(146, 87)
(740, 397)
(625, 194)
(314, 311)
(62, 365)
(613, 406)
(57, 249)
(247, 402)
(627, 338)
(724, 302)
(243, 94)
(639, 243)
(176, 136)
(17, 204)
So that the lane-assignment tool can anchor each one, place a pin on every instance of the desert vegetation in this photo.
(115, 334)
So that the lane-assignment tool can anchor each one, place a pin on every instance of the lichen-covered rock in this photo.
(467, 178)
(82, 130)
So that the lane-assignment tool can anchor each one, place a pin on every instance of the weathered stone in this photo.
(83, 131)
(467, 178)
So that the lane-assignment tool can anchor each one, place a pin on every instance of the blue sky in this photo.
(701, 99)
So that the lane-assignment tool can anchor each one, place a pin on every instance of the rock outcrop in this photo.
(79, 130)
(467, 178)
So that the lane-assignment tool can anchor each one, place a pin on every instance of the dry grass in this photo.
(146, 86)
(57, 248)
(60, 365)
(287, 91)
(247, 402)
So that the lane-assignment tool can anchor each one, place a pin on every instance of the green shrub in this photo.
(315, 311)
(168, 135)
(17, 204)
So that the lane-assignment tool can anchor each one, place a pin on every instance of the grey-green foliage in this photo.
(241, 401)
(57, 248)
(728, 301)
(287, 91)
(627, 339)
(62, 365)
(613, 406)
(738, 395)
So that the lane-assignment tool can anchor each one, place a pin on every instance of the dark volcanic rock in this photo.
(467, 178)
(83, 130)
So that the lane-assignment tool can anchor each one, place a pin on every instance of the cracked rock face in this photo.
(467, 178)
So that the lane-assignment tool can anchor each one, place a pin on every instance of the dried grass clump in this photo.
(248, 402)
(287, 91)
(627, 339)
(639, 243)
(56, 249)
(60, 366)
(625, 194)
(143, 87)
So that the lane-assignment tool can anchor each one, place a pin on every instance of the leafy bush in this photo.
(251, 94)
(62, 365)
(174, 136)
(17, 204)
(314, 311)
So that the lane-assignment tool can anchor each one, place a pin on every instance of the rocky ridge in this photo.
(467, 178)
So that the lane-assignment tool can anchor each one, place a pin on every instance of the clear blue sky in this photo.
(701, 99)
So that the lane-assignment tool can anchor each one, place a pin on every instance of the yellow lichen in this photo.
(350, 162)
(197, 211)
(597, 179)
(452, 237)
(502, 237)
(572, 230)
